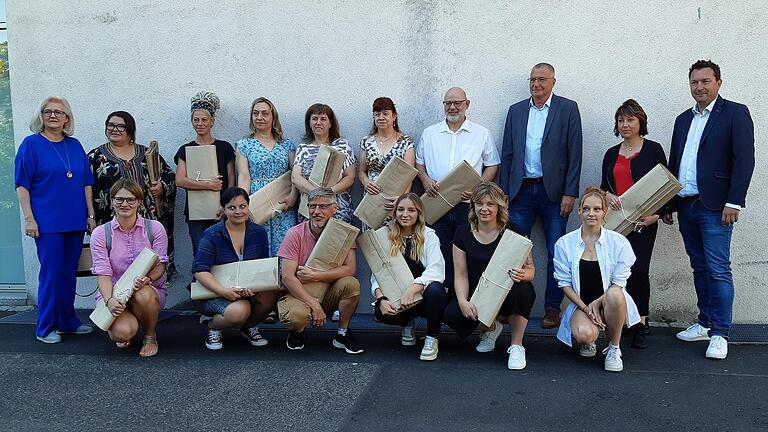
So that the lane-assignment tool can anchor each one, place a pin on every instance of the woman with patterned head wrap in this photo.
(203, 116)
(120, 158)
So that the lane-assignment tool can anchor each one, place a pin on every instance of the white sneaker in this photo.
(516, 357)
(488, 339)
(589, 350)
(613, 361)
(408, 337)
(718, 348)
(694, 333)
(429, 352)
(335, 316)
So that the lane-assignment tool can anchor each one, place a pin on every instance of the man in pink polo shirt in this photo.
(298, 307)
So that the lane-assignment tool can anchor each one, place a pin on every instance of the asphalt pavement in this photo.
(86, 383)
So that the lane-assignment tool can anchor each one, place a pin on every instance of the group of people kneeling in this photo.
(592, 265)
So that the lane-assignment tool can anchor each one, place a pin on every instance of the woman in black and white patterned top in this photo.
(322, 128)
(384, 143)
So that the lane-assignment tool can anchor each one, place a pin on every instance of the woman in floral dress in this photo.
(322, 128)
(120, 158)
(264, 156)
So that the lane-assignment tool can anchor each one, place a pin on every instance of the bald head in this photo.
(455, 104)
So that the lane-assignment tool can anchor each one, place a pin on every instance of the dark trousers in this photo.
(639, 283)
(431, 308)
(59, 254)
(531, 200)
(196, 229)
(519, 301)
(445, 228)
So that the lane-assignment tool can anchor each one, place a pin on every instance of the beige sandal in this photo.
(149, 340)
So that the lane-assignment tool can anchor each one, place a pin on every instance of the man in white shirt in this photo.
(443, 146)
(713, 155)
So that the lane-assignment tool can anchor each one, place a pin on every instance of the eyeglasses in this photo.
(116, 127)
(129, 201)
(319, 206)
(538, 80)
(54, 113)
(448, 104)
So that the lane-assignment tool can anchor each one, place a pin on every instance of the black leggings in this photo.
(519, 301)
(639, 283)
(430, 308)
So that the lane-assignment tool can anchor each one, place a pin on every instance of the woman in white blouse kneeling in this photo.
(592, 265)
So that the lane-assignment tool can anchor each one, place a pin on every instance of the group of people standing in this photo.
(604, 275)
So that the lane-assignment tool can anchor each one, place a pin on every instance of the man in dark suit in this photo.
(540, 168)
(713, 156)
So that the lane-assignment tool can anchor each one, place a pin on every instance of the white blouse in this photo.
(615, 257)
(432, 260)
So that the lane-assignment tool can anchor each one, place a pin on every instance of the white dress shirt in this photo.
(615, 257)
(441, 149)
(432, 260)
(537, 120)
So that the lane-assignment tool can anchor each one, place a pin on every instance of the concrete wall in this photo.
(149, 57)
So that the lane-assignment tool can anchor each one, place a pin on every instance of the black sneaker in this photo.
(639, 339)
(295, 340)
(348, 343)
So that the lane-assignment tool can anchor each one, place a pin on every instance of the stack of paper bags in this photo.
(326, 172)
(264, 202)
(642, 199)
(256, 275)
(123, 288)
(495, 283)
(393, 181)
(461, 178)
(329, 252)
(391, 272)
(201, 165)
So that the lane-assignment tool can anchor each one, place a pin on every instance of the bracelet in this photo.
(106, 303)
(378, 300)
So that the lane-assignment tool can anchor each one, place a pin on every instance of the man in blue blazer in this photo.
(713, 156)
(540, 168)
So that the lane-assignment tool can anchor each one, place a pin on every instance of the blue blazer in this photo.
(726, 157)
(560, 149)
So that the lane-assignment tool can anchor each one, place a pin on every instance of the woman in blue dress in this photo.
(263, 156)
(52, 172)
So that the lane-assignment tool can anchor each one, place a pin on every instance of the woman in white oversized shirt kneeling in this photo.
(592, 265)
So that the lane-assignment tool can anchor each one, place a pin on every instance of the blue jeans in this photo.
(708, 244)
(532, 200)
(196, 229)
(445, 228)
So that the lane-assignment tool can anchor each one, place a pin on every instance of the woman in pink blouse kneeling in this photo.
(114, 246)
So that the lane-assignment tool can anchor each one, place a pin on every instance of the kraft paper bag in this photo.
(642, 199)
(461, 178)
(152, 157)
(391, 272)
(123, 288)
(264, 202)
(393, 181)
(256, 275)
(329, 252)
(495, 283)
(326, 172)
(201, 165)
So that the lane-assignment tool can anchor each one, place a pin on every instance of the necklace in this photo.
(67, 164)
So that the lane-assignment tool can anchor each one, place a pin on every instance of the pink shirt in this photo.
(126, 246)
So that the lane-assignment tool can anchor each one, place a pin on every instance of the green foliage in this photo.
(7, 148)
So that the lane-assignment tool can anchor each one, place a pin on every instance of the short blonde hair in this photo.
(494, 192)
(36, 125)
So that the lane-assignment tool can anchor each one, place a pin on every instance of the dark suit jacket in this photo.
(726, 157)
(560, 149)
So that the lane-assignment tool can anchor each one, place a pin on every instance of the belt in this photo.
(690, 199)
(533, 180)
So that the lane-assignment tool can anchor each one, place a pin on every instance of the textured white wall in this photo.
(149, 57)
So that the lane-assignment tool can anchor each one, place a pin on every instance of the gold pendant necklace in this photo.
(67, 164)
